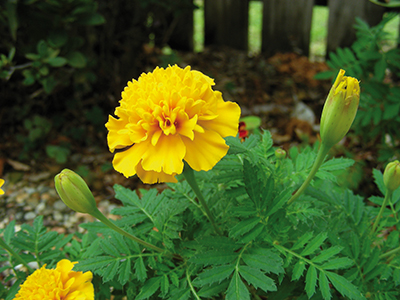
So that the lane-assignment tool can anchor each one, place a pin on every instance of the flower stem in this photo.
(98, 215)
(388, 196)
(4, 245)
(322, 152)
(389, 253)
(191, 180)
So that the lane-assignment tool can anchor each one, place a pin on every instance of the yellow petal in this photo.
(115, 138)
(205, 150)
(151, 177)
(227, 122)
(166, 156)
(126, 161)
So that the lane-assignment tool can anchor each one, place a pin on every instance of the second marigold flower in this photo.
(166, 117)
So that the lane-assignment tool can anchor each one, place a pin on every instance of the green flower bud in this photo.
(280, 153)
(391, 176)
(340, 109)
(74, 192)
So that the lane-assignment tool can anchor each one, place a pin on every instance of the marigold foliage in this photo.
(60, 283)
(166, 117)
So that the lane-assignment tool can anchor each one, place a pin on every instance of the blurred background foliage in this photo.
(63, 63)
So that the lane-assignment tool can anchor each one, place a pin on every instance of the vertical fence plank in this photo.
(182, 26)
(226, 23)
(286, 26)
(342, 14)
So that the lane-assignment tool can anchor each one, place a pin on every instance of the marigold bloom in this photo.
(60, 283)
(166, 117)
(1, 183)
(340, 109)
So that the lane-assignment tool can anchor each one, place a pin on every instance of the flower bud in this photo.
(280, 153)
(391, 176)
(74, 192)
(340, 109)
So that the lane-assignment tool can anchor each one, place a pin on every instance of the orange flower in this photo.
(60, 283)
(166, 117)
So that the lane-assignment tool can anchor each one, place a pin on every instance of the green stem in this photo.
(98, 215)
(388, 196)
(389, 253)
(322, 152)
(191, 285)
(191, 180)
(15, 255)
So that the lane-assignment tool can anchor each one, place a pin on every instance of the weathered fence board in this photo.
(226, 23)
(286, 26)
(342, 14)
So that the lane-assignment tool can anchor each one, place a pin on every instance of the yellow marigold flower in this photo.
(166, 117)
(1, 183)
(60, 283)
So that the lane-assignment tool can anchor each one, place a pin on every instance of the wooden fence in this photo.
(286, 24)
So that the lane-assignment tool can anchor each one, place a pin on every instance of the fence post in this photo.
(226, 23)
(342, 14)
(181, 37)
(286, 26)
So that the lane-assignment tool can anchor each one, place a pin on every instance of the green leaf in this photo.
(110, 271)
(214, 257)
(337, 263)
(263, 259)
(92, 264)
(302, 241)
(237, 289)
(327, 254)
(311, 281)
(109, 248)
(298, 270)
(244, 227)
(324, 286)
(76, 59)
(257, 278)
(125, 271)
(149, 288)
(140, 269)
(180, 295)
(314, 244)
(279, 201)
(215, 274)
(345, 287)
(57, 61)
(9, 231)
(164, 285)
(212, 290)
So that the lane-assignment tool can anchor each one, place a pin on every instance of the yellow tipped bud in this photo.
(391, 176)
(74, 192)
(280, 153)
(340, 109)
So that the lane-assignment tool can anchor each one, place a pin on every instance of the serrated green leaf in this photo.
(125, 271)
(324, 286)
(263, 259)
(345, 287)
(337, 263)
(327, 254)
(183, 294)
(110, 271)
(252, 234)
(302, 241)
(214, 257)
(244, 227)
(237, 289)
(212, 290)
(149, 288)
(216, 274)
(92, 264)
(298, 270)
(279, 201)
(164, 286)
(311, 281)
(109, 248)
(314, 244)
(257, 278)
(250, 178)
(140, 270)
(9, 232)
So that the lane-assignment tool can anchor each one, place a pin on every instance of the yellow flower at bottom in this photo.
(60, 283)
(1, 184)
(166, 117)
